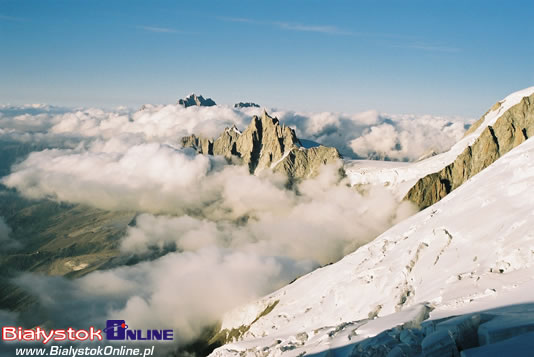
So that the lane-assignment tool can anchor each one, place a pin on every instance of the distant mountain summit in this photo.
(266, 144)
(246, 105)
(194, 100)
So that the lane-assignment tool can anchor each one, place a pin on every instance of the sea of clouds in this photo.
(233, 236)
(363, 135)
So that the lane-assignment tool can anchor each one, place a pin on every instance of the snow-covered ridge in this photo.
(401, 176)
(471, 251)
(506, 104)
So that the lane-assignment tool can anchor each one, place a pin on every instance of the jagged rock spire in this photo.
(266, 144)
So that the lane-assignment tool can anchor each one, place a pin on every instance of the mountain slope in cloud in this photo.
(471, 251)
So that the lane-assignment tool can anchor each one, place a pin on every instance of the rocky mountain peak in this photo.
(194, 100)
(246, 105)
(266, 144)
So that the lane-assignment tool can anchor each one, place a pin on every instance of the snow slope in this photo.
(402, 176)
(471, 251)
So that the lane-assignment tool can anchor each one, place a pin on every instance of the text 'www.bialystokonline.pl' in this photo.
(85, 351)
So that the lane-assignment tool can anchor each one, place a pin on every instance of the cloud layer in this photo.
(232, 236)
(183, 291)
(374, 135)
(363, 135)
(235, 236)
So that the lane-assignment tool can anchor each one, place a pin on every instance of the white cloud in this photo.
(153, 123)
(327, 217)
(378, 135)
(184, 291)
(146, 177)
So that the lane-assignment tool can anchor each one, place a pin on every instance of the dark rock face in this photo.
(514, 127)
(194, 100)
(246, 105)
(266, 144)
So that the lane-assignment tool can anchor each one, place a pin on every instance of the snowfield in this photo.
(472, 251)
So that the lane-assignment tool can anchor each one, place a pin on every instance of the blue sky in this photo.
(436, 57)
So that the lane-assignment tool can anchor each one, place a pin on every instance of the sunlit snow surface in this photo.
(471, 251)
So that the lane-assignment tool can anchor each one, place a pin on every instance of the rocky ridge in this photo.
(513, 127)
(266, 144)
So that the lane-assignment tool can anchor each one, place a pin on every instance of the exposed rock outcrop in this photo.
(266, 144)
(302, 163)
(511, 129)
(194, 100)
(246, 105)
